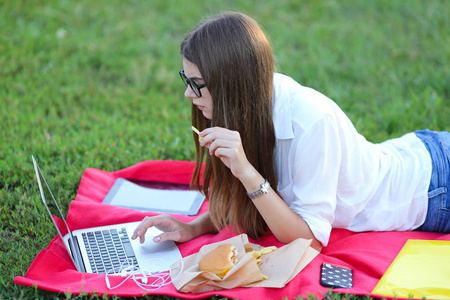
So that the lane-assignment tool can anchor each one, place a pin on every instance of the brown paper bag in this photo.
(280, 266)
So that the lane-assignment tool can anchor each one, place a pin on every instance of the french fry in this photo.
(267, 250)
(257, 254)
(264, 251)
(196, 131)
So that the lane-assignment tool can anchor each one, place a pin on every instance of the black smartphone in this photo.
(336, 276)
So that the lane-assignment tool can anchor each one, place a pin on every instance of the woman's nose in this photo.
(189, 93)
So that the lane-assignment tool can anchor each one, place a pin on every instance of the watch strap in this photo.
(264, 189)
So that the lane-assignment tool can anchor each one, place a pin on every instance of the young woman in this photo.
(283, 158)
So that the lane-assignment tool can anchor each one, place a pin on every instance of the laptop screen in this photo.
(56, 215)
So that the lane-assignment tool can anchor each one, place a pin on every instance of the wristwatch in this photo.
(264, 189)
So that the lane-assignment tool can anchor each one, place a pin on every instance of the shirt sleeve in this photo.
(317, 162)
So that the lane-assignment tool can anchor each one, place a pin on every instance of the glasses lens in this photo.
(192, 84)
(195, 88)
(183, 77)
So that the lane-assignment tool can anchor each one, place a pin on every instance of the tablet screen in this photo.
(155, 196)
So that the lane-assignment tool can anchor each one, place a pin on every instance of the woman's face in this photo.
(205, 102)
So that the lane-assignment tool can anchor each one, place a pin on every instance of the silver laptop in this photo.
(109, 249)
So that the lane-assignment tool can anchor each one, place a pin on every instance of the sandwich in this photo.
(219, 260)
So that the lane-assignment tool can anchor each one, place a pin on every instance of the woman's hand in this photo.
(172, 228)
(226, 145)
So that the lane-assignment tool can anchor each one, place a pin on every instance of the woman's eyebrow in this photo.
(195, 78)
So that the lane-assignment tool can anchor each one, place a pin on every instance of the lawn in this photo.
(94, 84)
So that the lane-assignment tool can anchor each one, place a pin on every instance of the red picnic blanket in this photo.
(369, 254)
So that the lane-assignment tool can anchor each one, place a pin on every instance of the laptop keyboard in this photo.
(109, 250)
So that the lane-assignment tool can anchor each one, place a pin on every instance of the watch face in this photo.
(265, 187)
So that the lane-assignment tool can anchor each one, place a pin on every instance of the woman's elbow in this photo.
(286, 239)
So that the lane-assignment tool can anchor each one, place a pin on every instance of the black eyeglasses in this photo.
(194, 86)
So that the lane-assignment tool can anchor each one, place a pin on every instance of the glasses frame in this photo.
(192, 84)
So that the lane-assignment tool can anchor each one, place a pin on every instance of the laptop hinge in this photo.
(77, 256)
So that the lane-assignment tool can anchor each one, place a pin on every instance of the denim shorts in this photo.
(438, 213)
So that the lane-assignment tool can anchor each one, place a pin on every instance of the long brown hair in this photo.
(235, 60)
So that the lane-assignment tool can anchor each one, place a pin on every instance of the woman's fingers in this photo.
(223, 144)
(141, 229)
(210, 134)
(162, 222)
(226, 145)
(168, 236)
(172, 229)
(217, 137)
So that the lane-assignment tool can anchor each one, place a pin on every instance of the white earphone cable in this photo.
(161, 278)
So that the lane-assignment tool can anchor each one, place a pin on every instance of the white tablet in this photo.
(155, 196)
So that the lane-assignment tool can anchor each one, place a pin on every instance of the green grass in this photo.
(94, 84)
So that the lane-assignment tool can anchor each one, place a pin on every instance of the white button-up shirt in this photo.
(333, 177)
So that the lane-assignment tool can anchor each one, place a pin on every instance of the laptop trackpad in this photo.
(150, 247)
(157, 256)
